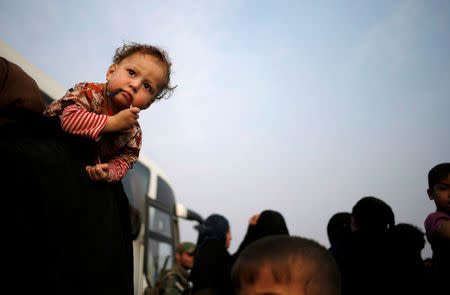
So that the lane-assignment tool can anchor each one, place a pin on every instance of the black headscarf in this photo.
(214, 227)
(212, 262)
(269, 223)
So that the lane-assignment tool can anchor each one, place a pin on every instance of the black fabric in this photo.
(366, 262)
(440, 269)
(20, 96)
(64, 233)
(211, 273)
(214, 227)
(269, 223)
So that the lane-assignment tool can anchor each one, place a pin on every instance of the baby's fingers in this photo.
(135, 110)
(100, 173)
(97, 172)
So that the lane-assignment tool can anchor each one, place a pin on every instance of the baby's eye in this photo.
(131, 72)
(147, 86)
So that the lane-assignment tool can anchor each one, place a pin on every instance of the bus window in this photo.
(159, 256)
(165, 195)
(159, 222)
(136, 184)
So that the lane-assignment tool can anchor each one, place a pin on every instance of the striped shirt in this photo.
(82, 112)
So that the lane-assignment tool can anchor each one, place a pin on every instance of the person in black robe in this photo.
(211, 274)
(64, 234)
(366, 257)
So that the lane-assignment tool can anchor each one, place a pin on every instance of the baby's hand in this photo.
(123, 121)
(98, 172)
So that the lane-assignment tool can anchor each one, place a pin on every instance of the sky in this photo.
(303, 107)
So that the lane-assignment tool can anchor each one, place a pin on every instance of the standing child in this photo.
(437, 224)
(107, 112)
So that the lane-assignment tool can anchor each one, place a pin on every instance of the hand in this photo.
(98, 172)
(254, 219)
(123, 121)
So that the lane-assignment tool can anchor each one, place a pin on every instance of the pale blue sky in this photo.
(299, 106)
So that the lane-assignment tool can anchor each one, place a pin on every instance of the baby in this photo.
(107, 113)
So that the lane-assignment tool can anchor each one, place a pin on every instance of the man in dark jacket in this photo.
(177, 279)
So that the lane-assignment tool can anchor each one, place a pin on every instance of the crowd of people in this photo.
(369, 253)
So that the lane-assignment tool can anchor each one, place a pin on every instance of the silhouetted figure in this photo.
(365, 258)
(338, 229)
(267, 223)
(212, 262)
(408, 242)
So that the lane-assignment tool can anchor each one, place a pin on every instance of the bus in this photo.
(155, 212)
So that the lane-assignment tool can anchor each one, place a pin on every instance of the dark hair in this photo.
(437, 173)
(372, 213)
(165, 90)
(338, 227)
(290, 259)
(408, 237)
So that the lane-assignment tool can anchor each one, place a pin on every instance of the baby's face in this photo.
(137, 79)
(266, 285)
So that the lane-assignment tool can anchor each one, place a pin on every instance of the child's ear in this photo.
(110, 71)
(430, 194)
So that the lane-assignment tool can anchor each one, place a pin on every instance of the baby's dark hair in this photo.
(291, 259)
(165, 90)
(437, 173)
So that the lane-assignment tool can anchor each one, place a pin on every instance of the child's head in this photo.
(409, 238)
(286, 265)
(338, 227)
(439, 186)
(371, 213)
(140, 74)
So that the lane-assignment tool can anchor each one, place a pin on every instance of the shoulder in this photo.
(435, 219)
(89, 89)
(432, 223)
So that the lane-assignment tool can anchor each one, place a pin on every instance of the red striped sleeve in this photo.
(76, 120)
(117, 169)
(66, 119)
(81, 121)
